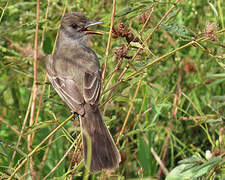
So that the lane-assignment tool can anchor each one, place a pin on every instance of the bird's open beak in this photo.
(91, 23)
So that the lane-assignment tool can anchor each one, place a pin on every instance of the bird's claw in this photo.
(75, 114)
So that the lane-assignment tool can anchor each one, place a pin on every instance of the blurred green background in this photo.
(164, 108)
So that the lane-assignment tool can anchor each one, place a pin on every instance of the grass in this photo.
(162, 92)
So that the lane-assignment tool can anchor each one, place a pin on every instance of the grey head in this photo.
(75, 25)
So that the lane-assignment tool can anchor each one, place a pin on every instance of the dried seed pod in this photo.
(210, 30)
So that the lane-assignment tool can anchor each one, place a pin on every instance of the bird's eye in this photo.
(74, 26)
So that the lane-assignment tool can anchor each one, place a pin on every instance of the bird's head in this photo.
(76, 25)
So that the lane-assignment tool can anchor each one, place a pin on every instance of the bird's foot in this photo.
(75, 114)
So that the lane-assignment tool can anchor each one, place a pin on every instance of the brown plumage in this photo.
(75, 73)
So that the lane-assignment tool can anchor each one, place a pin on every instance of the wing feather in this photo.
(66, 88)
(92, 88)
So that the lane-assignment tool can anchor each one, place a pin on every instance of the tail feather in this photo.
(104, 153)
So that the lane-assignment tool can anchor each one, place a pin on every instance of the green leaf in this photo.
(47, 45)
(124, 12)
(122, 99)
(201, 170)
(219, 98)
(128, 10)
(213, 8)
(218, 81)
(176, 29)
(3, 151)
(219, 75)
(144, 155)
(192, 169)
(193, 159)
(136, 44)
(175, 174)
(214, 120)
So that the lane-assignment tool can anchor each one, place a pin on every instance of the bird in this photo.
(74, 72)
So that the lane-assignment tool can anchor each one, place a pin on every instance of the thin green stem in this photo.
(39, 145)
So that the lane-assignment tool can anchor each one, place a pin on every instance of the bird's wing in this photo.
(92, 87)
(67, 90)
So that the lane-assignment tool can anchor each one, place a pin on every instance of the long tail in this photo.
(104, 153)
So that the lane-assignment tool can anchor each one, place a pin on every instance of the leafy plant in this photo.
(162, 91)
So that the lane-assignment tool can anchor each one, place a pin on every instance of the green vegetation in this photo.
(163, 94)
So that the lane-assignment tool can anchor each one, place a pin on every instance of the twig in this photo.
(109, 40)
(10, 126)
(157, 158)
(44, 28)
(47, 150)
(21, 132)
(165, 148)
(158, 60)
(34, 89)
(118, 81)
(61, 160)
(220, 12)
(129, 111)
(39, 145)
(139, 49)
(147, 20)
(40, 99)
(201, 114)
(111, 76)
(3, 10)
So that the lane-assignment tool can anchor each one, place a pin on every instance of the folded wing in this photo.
(92, 88)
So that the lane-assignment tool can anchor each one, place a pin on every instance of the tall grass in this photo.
(163, 89)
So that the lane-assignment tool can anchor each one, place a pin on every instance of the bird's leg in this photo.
(75, 114)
